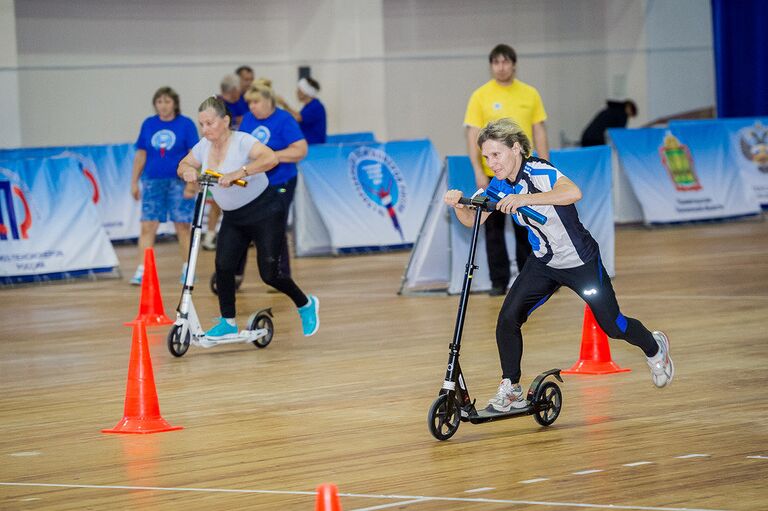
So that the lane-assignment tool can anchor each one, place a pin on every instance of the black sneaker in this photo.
(497, 291)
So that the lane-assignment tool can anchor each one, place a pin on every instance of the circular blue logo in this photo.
(163, 140)
(262, 134)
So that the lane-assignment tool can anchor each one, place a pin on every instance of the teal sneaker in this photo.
(222, 330)
(310, 319)
(138, 276)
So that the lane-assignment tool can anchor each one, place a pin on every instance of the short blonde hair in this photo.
(507, 132)
(261, 87)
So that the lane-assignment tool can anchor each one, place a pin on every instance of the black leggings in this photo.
(263, 222)
(535, 285)
(286, 192)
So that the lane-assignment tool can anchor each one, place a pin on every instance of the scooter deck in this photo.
(483, 415)
(244, 336)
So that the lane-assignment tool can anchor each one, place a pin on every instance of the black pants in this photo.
(261, 221)
(286, 191)
(535, 285)
(496, 248)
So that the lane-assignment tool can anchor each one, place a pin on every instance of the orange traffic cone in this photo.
(151, 310)
(327, 498)
(142, 411)
(595, 356)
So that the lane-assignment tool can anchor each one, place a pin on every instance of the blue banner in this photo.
(49, 226)
(370, 196)
(350, 138)
(589, 168)
(682, 173)
(108, 170)
(746, 141)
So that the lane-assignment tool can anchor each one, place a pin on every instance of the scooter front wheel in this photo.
(444, 417)
(262, 320)
(548, 402)
(176, 345)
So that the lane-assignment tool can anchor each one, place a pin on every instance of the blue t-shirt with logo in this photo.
(240, 107)
(277, 132)
(313, 122)
(166, 143)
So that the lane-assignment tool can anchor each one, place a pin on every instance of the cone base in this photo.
(151, 320)
(595, 367)
(142, 425)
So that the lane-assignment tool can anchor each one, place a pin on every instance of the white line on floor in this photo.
(478, 490)
(364, 496)
(637, 463)
(393, 504)
(758, 457)
(531, 481)
(585, 472)
(25, 453)
(687, 456)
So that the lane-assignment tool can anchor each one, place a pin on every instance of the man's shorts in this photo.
(163, 200)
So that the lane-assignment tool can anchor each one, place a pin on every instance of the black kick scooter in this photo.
(453, 405)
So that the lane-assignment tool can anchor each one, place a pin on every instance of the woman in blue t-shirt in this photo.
(278, 130)
(312, 118)
(163, 141)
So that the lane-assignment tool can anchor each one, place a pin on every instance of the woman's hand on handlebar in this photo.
(226, 180)
(452, 198)
(510, 203)
(189, 175)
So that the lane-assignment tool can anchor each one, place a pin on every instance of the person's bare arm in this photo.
(540, 140)
(139, 160)
(295, 152)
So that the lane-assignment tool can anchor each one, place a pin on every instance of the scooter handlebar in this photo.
(213, 173)
(486, 204)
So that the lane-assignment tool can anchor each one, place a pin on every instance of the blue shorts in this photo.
(163, 200)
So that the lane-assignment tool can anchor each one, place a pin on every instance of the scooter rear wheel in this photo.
(214, 287)
(176, 345)
(262, 320)
(444, 417)
(548, 402)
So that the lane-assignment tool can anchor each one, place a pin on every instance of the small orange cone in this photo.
(142, 411)
(595, 356)
(151, 310)
(327, 498)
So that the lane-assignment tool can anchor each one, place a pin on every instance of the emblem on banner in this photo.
(379, 183)
(163, 141)
(15, 213)
(754, 145)
(262, 134)
(677, 159)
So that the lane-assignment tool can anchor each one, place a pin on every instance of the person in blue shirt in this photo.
(164, 139)
(278, 130)
(312, 119)
(564, 254)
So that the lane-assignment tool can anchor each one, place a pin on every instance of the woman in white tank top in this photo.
(253, 213)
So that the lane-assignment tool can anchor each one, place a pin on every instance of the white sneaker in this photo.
(209, 240)
(136, 279)
(662, 367)
(507, 397)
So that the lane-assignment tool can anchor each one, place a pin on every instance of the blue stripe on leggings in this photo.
(600, 268)
(541, 302)
(621, 322)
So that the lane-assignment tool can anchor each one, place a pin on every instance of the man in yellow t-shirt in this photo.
(503, 96)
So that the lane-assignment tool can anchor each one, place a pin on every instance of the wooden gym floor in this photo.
(262, 428)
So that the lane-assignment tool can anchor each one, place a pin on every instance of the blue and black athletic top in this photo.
(562, 242)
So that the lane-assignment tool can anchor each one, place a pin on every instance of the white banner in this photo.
(49, 226)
